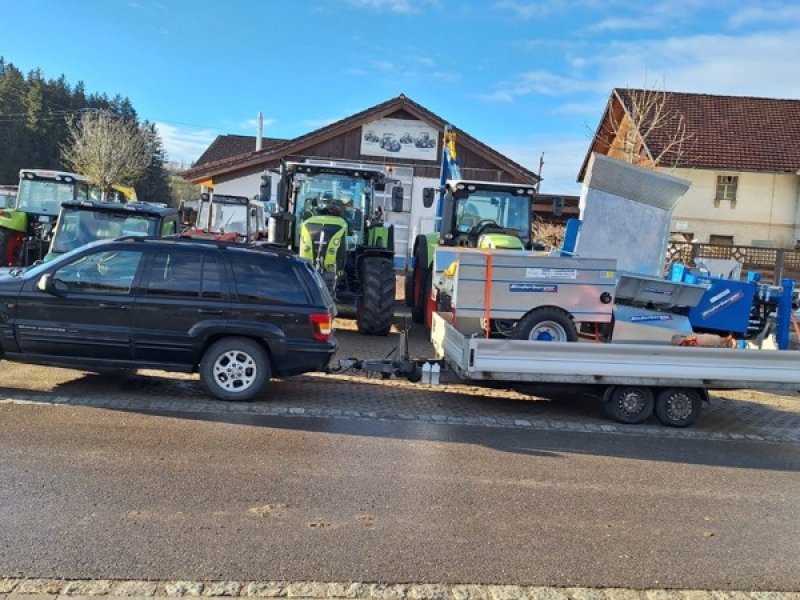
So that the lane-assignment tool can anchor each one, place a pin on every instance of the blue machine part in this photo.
(725, 307)
(571, 231)
(783, 317)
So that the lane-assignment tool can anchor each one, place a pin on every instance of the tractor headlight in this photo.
(335, 242)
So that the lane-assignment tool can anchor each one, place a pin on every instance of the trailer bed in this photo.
(655, 365)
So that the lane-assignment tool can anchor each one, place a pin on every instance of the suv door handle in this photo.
(210, 311)
(113, 306)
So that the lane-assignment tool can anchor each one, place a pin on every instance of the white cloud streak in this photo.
(185, 144)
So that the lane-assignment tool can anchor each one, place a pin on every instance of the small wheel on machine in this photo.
(235, 369)
(678, 407)
(629, 404)
(546, 324)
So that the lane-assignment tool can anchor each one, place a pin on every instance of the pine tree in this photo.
(153, 186)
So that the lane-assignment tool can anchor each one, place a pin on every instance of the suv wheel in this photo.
(235, 369)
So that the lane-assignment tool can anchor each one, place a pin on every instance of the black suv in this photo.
(236, 313)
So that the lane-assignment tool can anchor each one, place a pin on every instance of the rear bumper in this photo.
(296, 358)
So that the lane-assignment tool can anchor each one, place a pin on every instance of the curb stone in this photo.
(87, 589)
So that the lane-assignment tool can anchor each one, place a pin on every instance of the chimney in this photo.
(259, 131)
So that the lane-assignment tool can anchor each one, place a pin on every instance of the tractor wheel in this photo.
(421, 289)
(376, 306)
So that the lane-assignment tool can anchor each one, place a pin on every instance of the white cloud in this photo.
(562, 160)
(629, 23)
(185, 144)
(758, 64)
(774, 13)
(538, 81)
(394, 6)
(251, 124)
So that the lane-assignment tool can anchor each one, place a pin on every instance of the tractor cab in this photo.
(231, 218)
(80, 223)
(481, 214)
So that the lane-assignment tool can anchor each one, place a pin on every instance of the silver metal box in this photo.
(514, 282)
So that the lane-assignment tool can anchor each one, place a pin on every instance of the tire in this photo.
(678, 407)
(9, 257)
(408, 290)
(629, 404)
(235, 369)
(421, 289)
(546, 325)
(376, 306)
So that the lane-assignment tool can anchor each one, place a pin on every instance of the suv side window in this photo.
(184, 274)
(107, 272)
(266, 279)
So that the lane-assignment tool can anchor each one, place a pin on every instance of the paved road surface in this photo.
(99, 493)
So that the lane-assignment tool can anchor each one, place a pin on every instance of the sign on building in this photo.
(400, 138)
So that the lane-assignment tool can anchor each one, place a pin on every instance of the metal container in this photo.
(626, 212)
(512, 283)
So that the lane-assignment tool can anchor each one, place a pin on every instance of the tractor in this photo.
(80, 223)
(26, 230)
(326, 214)
(475, 214)
(229, 218)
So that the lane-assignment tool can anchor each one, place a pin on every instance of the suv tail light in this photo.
(321, 326)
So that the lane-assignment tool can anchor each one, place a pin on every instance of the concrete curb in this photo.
(86, 589)
(773, 435)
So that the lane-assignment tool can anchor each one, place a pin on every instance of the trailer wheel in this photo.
(546, 325)
(629, 404)
(678, 407)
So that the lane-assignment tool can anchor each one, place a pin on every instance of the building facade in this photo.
(399, 136)
(741, 154)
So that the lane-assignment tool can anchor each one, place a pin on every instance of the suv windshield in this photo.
(79, 227)
(335, 195)
(509, 211)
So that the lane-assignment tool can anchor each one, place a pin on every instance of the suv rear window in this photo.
(266, 279)
(185, 274)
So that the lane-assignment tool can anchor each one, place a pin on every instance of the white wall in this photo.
(766, 207)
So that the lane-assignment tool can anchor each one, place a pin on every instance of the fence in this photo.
(773, 263)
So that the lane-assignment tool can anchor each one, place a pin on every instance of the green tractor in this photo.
(326, 213)
(26, 229)
(81, 223)
(476, 214)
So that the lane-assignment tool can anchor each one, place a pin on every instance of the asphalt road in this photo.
(93, 493)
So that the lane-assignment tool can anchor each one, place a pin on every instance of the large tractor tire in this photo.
(376, 306)
(421, 288)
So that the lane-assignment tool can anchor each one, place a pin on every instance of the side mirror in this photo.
(380, 186)
(428, 195)
(397, 199)
(558, 206)
(265, 190)
(253, 213)
(47, 284)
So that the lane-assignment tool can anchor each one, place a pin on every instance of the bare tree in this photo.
(107, 150)
(642, 128)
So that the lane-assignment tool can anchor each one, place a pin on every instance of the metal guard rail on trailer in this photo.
(613, 364)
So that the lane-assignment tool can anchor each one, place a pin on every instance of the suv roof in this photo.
(145, 208)
(264, 248)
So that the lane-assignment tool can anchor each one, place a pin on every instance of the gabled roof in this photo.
(228, 146)
(297, 145)
(735, 133)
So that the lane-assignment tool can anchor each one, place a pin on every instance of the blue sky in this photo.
(524, 76)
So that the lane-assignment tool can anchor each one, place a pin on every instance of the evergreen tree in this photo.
(154, 186)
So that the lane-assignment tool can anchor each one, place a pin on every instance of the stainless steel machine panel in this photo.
(520, 281)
